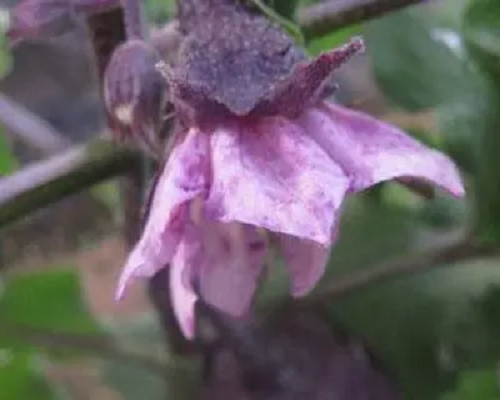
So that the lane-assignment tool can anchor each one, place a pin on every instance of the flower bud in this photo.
(135, 94)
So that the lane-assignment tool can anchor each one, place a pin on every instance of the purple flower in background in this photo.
(31, 19)
(286, 171)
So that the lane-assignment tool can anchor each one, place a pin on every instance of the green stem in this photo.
(323, 18)
(487, 182)
(48, 181)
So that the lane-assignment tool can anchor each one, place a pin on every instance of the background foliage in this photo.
(438, 331)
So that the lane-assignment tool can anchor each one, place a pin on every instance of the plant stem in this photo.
(451, 254)
(94, 344)
(323, 18)
(45, 182)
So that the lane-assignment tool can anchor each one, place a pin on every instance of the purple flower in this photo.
(286, 173)
(46, 18)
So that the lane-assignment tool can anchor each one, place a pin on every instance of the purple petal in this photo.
(184, 178)
(225, 259)
(305, 262)
(371, 151)
(272, 175)
(181, 283)
(233, 263)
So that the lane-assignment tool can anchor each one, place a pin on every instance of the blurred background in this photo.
(433, 69)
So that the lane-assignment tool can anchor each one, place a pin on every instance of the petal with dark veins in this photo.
(184, 178)
(224, 261)
(371, 151)
(272, 175)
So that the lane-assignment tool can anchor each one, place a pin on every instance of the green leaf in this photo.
(19, 380)
(416, 325)
(49, 300)
(285, 8)
(8, 162)
(482, 34)
(459, 123)
(414, 69)
(476, 385)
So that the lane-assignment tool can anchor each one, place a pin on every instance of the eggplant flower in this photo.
(259, 149)
(285, 173)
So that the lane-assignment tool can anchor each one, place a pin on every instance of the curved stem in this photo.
(453, 253)
(45, 182)
(323, 18)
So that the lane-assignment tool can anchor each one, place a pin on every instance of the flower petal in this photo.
(232, 268)
(305, 262)
(371, 151)
(185, 177)
(272, 175)
(224, 261)
(181, 287)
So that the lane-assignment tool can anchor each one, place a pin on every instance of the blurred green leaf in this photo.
(8, 162)
(414, 69)
(134, 382)
(482, 34)
(476, 385)
(460, 123)
(449, 13)
(49, 300)
(416, 325)
(286, 8)
(444, 212)
(19, 380)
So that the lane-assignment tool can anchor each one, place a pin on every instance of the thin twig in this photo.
(452, 254)
(322, 18)
(95, 344)
(45, 182)
(31, 129)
